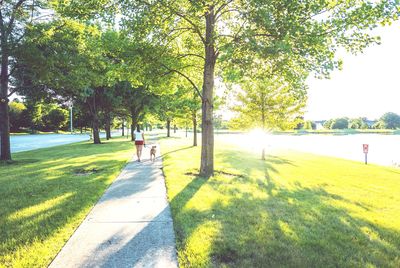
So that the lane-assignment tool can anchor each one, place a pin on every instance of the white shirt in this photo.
(138, 136)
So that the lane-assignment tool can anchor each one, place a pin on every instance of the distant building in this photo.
(319, 124)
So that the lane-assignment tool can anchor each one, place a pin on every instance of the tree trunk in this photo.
(81, 130)
(168, 128)
(96, 132)
(174, 128)
(95, 120)
(132, 132)
(186, 130)
(123, 128)
(135, 122)
(263, 111)
(207, 132)
(5, 151)
(108, 127)
(194, 118)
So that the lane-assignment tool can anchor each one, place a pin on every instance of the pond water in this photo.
(383, 149)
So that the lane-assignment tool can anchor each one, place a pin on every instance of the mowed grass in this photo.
(46, 193)
(292, 210)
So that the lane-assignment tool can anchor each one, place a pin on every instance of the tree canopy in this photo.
(82, 51)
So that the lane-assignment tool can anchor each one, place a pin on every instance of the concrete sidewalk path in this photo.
(130, 226)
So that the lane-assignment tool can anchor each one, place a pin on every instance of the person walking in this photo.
(139, 142)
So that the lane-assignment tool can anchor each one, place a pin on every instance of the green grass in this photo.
(46, 193)
(292, 210)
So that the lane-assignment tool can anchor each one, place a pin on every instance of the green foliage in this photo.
(15, 112)
(389, 121)
(81, 116)
(55, 119)
(220, 123)
(309, 125)
(269, 103)
(340, 123)
(37, 115)
(358, 123)
(61, 57)
(328, 123)
(32, 116)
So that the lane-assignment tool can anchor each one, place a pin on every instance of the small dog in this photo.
(153, 153)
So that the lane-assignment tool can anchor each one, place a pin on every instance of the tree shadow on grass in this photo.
(288, 227)
(282, 227)
(42, 193)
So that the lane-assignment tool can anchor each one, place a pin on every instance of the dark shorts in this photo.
(139, 142)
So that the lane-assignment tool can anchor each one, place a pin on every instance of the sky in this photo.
(367, 86)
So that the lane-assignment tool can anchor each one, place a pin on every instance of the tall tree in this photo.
(14, 18)
(390, 121)
(236, 30)
(136, 101)
(270, 102)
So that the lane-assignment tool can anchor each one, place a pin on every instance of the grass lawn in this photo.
(46, 193)
(292, 210)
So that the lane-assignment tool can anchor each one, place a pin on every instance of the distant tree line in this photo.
(33, 117)
(387, 121)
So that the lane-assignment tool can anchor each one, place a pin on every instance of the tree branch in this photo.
(190, 54)
(15, 43)
(14, 13)
(319, 13)
(185, 76)
(195, 28)
(11, 92)
(11, 72)
(183, 16)
(227, 11)
(223, 6)
(263, 35)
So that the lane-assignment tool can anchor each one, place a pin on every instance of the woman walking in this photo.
(139, 142)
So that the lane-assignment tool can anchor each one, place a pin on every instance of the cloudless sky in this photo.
(367, 86)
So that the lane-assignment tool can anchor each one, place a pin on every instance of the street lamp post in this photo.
(70, 121)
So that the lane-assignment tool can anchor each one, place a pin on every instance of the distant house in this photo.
(319, 124)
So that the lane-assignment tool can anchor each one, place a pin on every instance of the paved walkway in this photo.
(130, 226)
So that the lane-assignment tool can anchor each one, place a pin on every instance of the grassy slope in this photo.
(44, 197)
(293, 210)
